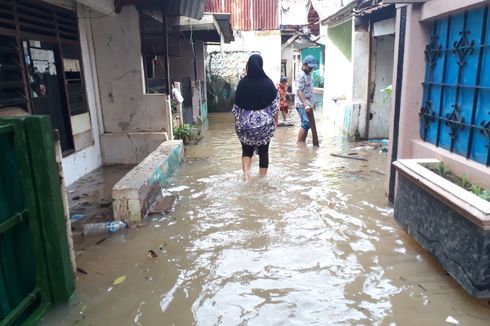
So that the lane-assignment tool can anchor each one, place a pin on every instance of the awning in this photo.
(188, 8)
(212, 27)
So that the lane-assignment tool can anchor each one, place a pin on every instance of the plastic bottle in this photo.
(97, 228)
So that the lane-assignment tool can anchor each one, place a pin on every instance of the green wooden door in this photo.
(22, 276)
(35, 267)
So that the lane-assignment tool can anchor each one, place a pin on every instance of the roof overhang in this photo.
(212, 27)
(188, 8)
(404, 1)
(341, 16)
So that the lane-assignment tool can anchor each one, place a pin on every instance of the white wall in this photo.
(80, 163)
(103, 6)
(268, 43)
(288, 54)
(382, 66)
(338, 83)
(130, 117)
(360, 81)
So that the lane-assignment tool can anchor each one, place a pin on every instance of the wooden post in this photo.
(311, 119)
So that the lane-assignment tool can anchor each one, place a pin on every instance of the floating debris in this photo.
(119, 280)
(81, 271)
(152, 254)
(349, 157)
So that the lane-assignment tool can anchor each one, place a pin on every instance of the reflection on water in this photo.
(312, 243)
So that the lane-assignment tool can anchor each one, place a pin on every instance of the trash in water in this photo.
(119, 280)
(152, 254)
(451, 320)
(76, 217)
(82, 271)
(100, 241)
(98, 228)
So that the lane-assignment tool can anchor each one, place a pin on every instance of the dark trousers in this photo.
(262, 150)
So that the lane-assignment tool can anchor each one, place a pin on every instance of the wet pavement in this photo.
(312, 243)
(90, 201)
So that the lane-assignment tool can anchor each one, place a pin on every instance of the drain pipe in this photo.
(398, 95)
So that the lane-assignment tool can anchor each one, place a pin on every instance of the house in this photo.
(102, 71)
(359, 37)
(300, 32)
(440, 95)
(439, 150)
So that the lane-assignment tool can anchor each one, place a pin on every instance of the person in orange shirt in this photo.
(282, 90)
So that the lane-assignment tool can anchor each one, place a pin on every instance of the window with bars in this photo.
(455, 113)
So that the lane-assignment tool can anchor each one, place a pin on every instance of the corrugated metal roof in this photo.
(265, 14)
(247, 15)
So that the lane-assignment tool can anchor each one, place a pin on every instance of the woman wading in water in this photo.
(255, 112)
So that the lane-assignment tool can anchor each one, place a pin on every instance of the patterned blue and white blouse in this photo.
(257, 127)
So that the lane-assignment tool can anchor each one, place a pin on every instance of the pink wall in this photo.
(417, 34)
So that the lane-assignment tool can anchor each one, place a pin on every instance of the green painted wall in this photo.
(318, 53)
(341, 37)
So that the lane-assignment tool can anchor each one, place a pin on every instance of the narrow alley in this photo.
(312, 243)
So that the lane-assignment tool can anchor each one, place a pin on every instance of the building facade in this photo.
(441, 95)
(102, 73)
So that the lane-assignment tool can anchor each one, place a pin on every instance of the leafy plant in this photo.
(477, 190)
(465, 183)
(442, 169)
(486, 194)
(184, 132)
(388, 91)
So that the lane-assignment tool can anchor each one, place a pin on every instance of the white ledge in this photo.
(474, 208)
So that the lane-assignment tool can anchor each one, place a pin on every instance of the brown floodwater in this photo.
(312, 243)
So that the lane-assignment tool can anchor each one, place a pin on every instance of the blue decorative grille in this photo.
(455, 113)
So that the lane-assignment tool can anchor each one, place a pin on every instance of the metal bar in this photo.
(398, 96)
(431, 76)
(458, 88)
(457, 85)
(12, 221)
(478, 78)
(444, 70)
(21, 308)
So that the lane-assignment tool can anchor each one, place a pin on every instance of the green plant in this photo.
(388, 91)
(442, 169)
(486, 194)
(184, 132)
(465, 183)
(477, 190)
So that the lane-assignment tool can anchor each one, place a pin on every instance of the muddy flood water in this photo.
(313, 243)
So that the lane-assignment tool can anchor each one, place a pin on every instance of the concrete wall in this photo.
(382, 72)
(287, 54)
(337, 97)
(89, 158)
(267, 43)
(417, 35)
(360, 80)
(129, 116)
(224, 70)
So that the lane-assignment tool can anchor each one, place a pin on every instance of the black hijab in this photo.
(255, 91)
